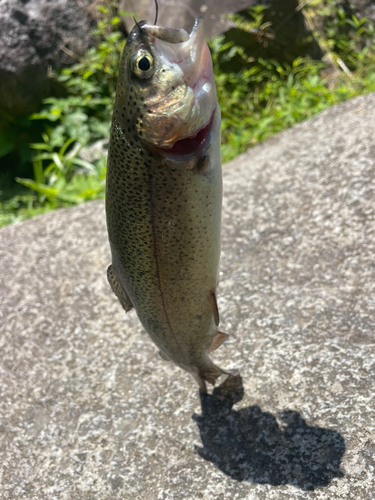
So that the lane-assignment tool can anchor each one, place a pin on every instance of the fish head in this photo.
(166, 92)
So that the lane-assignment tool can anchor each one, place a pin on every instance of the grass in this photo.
(258, 96)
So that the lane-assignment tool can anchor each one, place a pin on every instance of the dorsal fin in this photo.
(219, 338)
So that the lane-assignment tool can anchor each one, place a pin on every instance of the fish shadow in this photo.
(250, 445)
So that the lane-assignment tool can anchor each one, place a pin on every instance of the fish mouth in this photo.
(179, 114)
(188, 147)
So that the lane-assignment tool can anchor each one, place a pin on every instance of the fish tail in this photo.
(210, 374)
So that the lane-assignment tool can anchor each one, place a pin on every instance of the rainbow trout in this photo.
(164, 193)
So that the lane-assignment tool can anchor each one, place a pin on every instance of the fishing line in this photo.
(157, 12)
(138, 25)
(156, 16)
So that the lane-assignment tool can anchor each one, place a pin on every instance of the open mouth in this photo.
(190, 146)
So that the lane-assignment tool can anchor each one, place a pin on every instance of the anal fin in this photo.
(118, 289)
(219, 338)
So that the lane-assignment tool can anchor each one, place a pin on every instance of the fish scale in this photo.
(164, 211)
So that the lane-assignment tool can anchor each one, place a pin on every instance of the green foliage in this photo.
(258, 96)
(342, 34)
(68, 124)
(66, 179)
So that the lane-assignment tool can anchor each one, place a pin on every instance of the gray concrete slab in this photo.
(89, 410)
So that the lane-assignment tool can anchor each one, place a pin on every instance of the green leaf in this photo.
(56, 158)
(39, 188)
(66, 145)
(126, 13)
(38, 171)
(82, 163)
(40, 146)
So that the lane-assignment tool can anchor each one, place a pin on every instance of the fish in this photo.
(164, 194)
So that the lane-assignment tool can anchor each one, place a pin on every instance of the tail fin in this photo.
(210, 374)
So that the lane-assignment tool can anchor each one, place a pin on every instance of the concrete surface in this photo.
(90, 411)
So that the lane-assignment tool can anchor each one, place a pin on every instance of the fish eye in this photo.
(142, 64)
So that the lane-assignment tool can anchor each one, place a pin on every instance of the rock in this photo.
(92, 153)
(175, 13)
(90, 411)
(284, 15)
(287, 37)
(34, 36)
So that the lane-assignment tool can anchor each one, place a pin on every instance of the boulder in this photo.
(36, 35)
(177, 13)
(288, 25)
(90, 411)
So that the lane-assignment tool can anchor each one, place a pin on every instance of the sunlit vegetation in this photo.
(50, 156)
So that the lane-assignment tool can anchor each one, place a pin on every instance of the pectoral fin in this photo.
(118, 289)
(219, 338)
(213, 304)
(163, 356)
(204, 165)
